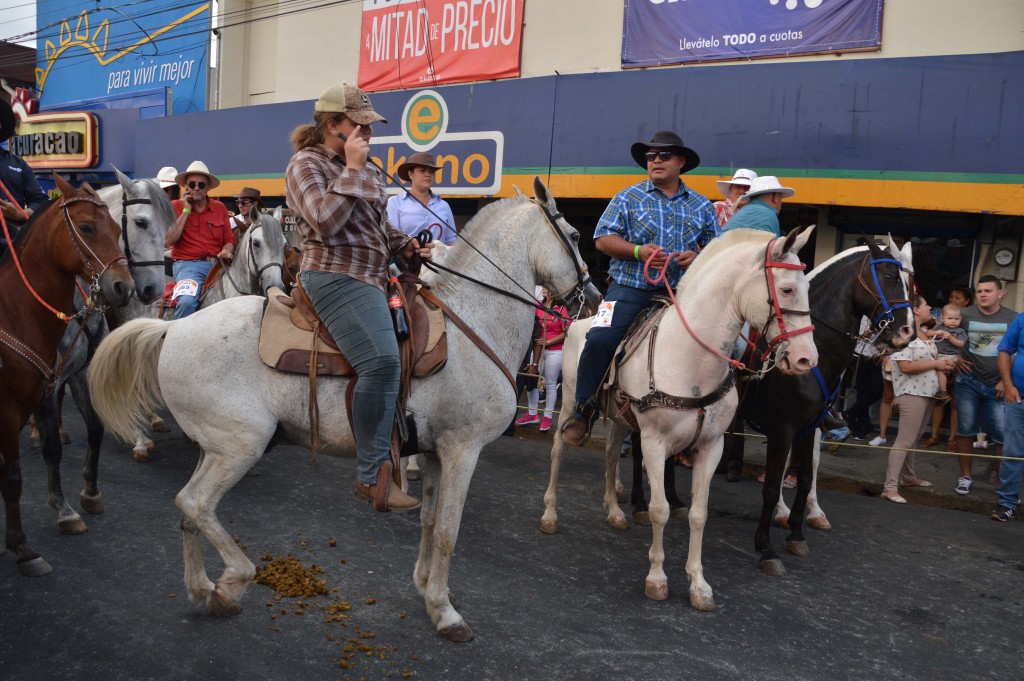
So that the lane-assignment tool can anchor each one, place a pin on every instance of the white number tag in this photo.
(605, 311)
(185, 287)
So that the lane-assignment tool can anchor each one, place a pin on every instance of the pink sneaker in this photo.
(528, 420)
(545, 424)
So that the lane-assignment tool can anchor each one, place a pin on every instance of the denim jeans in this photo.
(974, 399)
(197, 270)
(359, 319)
(602, 341)
(1012, 466)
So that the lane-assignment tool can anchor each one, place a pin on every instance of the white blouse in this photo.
(926, 383)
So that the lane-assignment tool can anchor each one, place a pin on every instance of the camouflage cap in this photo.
(351, 101)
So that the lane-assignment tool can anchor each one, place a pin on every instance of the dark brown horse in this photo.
(72, 237)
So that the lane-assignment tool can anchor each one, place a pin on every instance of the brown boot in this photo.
(576, 432)
(386, 496)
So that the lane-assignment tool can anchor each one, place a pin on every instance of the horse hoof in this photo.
(819, 523)
(618, 522)
(140, 454)
(458, 633)
(161, 426)
(222, 605)
(773, 567)
(642, 518)
(93, 505)
(72, 526)
(702, 602)
(679, 514)
(33, 442)
(414, 474)
(549, 526)
(798, 548)
(657, 591)
(782, 521)
(35, 567)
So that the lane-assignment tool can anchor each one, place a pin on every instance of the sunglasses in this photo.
(242, 202)
(663, 155)
(196, 185)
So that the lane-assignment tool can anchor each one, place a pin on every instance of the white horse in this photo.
(457, 411)
(144, 213)
(725, 286)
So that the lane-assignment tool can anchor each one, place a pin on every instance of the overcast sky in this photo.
(17, 17)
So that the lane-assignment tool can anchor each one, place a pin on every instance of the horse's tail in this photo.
(123, 380)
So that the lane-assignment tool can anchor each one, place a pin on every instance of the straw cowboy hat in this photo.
(743, 177)
(252, 194)
(417, 160)
(351, 101)
(165, 178)
(8, 124)
(768, 184)
(666, 139)
(197, 168)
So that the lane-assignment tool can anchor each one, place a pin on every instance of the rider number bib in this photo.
(185, 287)
(605, 311)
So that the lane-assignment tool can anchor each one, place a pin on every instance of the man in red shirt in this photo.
(200, 235)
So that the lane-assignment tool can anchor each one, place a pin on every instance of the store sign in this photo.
(470, 162)
(417, 43)
(684, 31)
(65, 140)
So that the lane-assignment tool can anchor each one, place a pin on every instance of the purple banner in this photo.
(683, 31)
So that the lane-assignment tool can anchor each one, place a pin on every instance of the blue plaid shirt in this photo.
(642, 214)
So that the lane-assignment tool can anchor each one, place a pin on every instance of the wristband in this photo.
(186, 211)
(636, 252)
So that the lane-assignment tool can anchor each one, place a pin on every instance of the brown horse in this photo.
(72, 237)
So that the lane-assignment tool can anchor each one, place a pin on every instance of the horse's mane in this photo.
(727, 240)
(161, 204)
(23, 233)
(459, 251)
(272, 232)
(835, 259)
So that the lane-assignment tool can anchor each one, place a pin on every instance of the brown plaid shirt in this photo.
(341, 216)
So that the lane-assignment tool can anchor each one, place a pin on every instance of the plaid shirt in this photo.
(642, 214)
(341, 216)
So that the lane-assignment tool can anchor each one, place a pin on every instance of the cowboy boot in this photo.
(576, 430)
(385, 495)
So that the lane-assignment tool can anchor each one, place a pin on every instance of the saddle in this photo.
(167, 302)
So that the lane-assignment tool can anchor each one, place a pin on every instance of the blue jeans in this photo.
(974, 399)
(197, 270)
(601, 342)
(1012, 466)
(359, 319)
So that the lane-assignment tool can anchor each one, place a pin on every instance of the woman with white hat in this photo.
(166, 179)
(733, 191)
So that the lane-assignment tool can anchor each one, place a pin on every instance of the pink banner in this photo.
(420, 43)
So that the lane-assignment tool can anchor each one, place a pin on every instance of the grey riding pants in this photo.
(358, 317)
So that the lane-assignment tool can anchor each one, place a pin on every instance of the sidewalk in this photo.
(858, 468)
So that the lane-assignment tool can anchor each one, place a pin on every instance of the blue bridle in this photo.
(888, 310)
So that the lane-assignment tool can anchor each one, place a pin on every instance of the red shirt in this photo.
(205, 232)
(551, 326)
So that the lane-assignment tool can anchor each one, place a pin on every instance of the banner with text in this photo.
(684, 31)
(420, 43)
(93, 52)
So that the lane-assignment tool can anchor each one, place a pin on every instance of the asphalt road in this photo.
(894, 592)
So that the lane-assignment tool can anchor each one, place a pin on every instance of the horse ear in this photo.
(895, 252)
(540, 191)
(87, 188)
(907, 257)
(125, 181)
(793, 242)
(873, 248)
(279, 214)
(519, 192)
(65, 188)
(254, 212)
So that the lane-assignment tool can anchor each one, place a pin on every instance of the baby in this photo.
(949, 339)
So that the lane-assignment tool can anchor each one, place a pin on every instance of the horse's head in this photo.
(555, 255)
(262, 252)
(88, 245)
(780, 280)
(145, 214)
(882, 293)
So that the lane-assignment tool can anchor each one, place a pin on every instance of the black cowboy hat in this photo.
(666, 139)
(7, 121)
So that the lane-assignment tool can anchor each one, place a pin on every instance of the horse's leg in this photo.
(68, 520)
(656, 584)
(815, 515)
(34, 440)
(30, 563)
(90, 498)
(678, 508)
(158, 425)
(637, 496)
(414, 472)
(705, 461)
(428, 520)
(612, 449)
(795, 542)
(457, 465)
(143, 446)
(218, 471)
(549, 521)
(65, 439)
(771, 492)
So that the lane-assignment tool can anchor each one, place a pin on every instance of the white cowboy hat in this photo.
(742, 176)
(197, 168)
(768, 184)
(166, 176)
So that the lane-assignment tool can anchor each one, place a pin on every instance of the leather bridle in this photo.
(132, 262)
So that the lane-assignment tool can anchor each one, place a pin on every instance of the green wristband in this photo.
(187, 211)
(636, 252)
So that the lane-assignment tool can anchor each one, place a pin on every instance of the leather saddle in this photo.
(287, 343)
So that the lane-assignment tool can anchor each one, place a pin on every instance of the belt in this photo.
(210, 258)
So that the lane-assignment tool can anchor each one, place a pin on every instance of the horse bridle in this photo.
(132, 262)
(777, 310)
(79, 242)
(250, 262)
(582, 273)
(888, 310)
